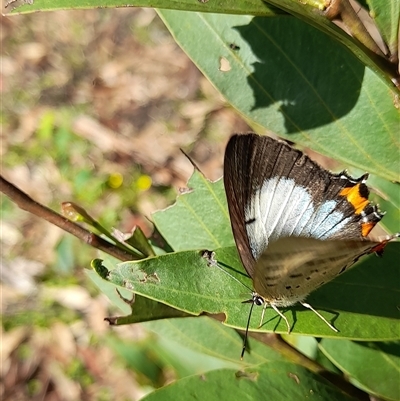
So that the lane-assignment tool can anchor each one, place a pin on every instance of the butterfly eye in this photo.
(257, 300)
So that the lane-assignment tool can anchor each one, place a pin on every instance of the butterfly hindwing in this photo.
(292, 267)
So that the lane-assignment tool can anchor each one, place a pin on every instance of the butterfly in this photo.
(296, 225)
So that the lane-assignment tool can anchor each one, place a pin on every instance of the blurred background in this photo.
(96, 105)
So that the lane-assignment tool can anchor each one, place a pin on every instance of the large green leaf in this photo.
(270, 381)
(289, 77)
(180, 347)
(210, 337)
(185, 281)
(375, 367)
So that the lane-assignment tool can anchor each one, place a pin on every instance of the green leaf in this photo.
(305, 344)
(145, 310)
(374, 367)
(270, 381)
(157, 354)
(141, 357)
(210, 337)
(199, 219)
(138, 240)
(283, 78)
(135, 307)
(99, 268)
(109, 289)
(185, 281)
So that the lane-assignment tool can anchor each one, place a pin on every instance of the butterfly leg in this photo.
(262, 314)
(282, 316)
(308, 306)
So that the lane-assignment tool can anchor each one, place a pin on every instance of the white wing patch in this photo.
(282, 209)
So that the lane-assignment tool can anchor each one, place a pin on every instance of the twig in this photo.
(25, 202)
(344, 10)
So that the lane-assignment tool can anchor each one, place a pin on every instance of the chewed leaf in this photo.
(100, 269)
(144, 310)
(187, 282)
(135, 308)
(199, 219)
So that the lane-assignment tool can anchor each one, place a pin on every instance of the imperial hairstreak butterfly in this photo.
(296, 225)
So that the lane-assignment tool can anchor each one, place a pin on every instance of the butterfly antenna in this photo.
(211, 261)
(246, 332)
(308, 306)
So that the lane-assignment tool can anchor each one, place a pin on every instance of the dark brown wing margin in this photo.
(237, 181)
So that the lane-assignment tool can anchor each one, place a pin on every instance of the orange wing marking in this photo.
(354, 196)
(367, 227)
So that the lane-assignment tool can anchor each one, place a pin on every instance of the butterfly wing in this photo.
(291, 267)
(275, 191)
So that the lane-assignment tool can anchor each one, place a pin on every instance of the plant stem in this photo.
(25, 202)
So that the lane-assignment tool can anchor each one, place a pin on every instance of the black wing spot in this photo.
(296, 275)
(288, 287)
(297, 286)
(250, 221)
(271, 285)
(314, 271)
(364, 191)
(308, 278)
